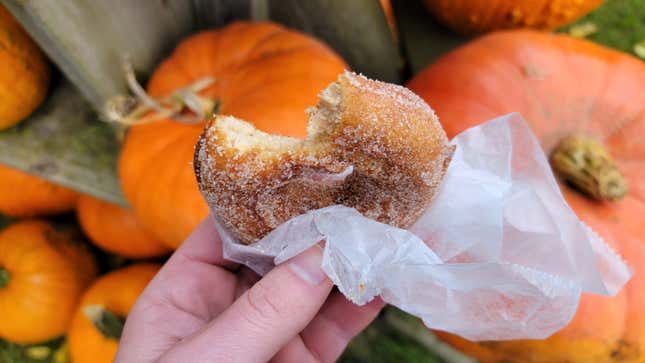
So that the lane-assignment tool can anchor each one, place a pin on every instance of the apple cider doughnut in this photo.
(373, 146)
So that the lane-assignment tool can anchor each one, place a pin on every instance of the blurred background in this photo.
(101, 103)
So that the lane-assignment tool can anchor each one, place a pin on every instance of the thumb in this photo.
(265, 318)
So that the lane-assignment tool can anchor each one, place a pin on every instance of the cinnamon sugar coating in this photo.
(373, 146)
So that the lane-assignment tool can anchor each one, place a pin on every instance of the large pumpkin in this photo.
(43, 272)
(24, 75)
(25, 195)
(262, 73)
(563, 87)
(95, 331)
(116, 229)
(478, 16)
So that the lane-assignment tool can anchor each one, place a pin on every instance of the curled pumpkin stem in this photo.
(109, 324)
(142, 108)
(586, 163)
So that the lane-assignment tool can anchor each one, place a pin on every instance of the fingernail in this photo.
(307, 266)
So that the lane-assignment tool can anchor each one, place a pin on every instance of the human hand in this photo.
(202, 308)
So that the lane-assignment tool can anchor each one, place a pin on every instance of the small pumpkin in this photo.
(43, 272)
(24, 75)
(261, 72)
(25, 195)
(98, 322)
(586, 104)
(116, 229)
(480, 16)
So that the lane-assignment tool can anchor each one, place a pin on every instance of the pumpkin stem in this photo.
(142, 108)
(587, 165)
(109, 324)
(5, 276)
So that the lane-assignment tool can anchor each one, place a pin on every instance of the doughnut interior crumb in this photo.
(325, 116)
(243, 137)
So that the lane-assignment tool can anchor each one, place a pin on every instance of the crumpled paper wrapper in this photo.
(497, 255)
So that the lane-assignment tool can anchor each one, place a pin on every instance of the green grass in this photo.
(620, 24)
(380, 343)
(5, 221)
(35, 353)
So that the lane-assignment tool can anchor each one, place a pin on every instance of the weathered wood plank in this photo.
(356, 29)
(423, 40)
(63, 142)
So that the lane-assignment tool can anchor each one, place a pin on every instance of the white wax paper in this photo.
(504, 256)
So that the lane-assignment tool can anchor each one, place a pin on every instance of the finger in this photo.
(264, 318)
(338, 322)
(194, 280)
(174, 306)
(326, 337)
(203, 245)
(246, 278)
(295, 352)
(187, 293)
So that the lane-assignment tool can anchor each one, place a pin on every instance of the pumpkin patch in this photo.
(73, 264)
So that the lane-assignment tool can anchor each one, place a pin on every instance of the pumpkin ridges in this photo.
(243, 37)
(117, 291)
(485, 44)
(69, 243)
(191, 71)
(621, 144)
(116, 229)
(152, 135)
(49, 271)
(192, 207)
(584, 89)
(206, 42)
(631, 344)
(476, 16)
(15, 34)
(36, 196)
(25, 73)
(634, 171)
(578, 341)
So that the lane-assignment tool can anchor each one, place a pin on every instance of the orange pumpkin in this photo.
(389, 16)
(24, 75)
(43, 272)
(262, 72)
(479, 16)
(25, 195)
(563, 87)
(94, 334)
(116, 229)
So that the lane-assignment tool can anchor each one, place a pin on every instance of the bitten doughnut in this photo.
(373, 146)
